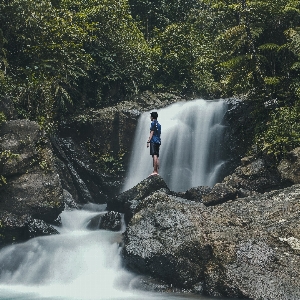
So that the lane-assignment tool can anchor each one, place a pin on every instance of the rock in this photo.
(32, 188)
(196, 193)
(256, 174)
(66, 179)
(69, 201)
(15, 228)
(110, 221)
(81, 172)
(246, 248)
(38, 227)
(240, 123)
(127, 201)
(161, 240)
(220, 193)
(289, 168)
(19, 143)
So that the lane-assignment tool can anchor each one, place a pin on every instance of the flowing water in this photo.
(190, 155)
(80, 264)
(77, 264)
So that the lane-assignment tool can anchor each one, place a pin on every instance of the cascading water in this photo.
(80, 264)
(190, 155)
(77, 264)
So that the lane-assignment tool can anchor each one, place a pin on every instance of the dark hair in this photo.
(154, 115)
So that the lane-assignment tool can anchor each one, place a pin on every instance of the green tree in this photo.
(45, 56)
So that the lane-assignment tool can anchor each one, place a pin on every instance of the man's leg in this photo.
(155, 164)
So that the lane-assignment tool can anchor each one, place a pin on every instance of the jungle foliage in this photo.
(61, 56)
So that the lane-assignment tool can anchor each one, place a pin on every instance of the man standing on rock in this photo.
(154, 141)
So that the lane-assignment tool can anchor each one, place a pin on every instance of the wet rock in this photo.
(219, 193)
(69, 201)
(289, 167)
(127, 201)
(256, 174)
(66, 179)
(14, 228)
(246, 248)
(81, 172)
(238, 136)
(38, 227)
(110, 221)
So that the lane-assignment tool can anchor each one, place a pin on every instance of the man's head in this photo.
(154, 115)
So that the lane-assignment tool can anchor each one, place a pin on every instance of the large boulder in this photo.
(255, 174)
(289, 168)
(30, 186)
(127, 201)
(161, 240)
(246, 248)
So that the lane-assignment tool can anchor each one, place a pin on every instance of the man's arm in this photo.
(150, 137)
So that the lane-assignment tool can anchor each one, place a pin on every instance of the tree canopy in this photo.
(61, 56)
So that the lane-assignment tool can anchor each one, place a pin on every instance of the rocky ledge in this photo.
(248, 247)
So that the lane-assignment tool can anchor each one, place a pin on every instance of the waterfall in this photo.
(190, 153)
(77, 264)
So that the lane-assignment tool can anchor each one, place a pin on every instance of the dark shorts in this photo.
(154, 149)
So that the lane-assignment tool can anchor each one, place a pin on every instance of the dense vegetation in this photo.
(61, 56)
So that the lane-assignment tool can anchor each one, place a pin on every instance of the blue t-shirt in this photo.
(156, 127)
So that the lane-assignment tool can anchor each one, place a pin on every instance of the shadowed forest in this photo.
(60, 57)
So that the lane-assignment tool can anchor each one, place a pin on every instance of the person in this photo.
(154, 141)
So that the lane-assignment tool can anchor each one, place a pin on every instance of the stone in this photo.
(127, 201)
(32, 188)
(289, 168)
(219, 193)
(196, 193)
(110, 221)
(14, 228)
(256, 174)
(245, 248)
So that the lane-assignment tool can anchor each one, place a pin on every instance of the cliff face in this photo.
(30, 194)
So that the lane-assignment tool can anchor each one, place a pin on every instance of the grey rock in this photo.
(69, 201)
(127, 201)
(256, 174)
(246, 248)
(110, 221)
(14, 228)
(220, 193)
(32, 189)
(289, 168)
(197, 193)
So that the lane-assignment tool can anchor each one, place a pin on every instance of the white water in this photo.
(78, 264)
(190, 152)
